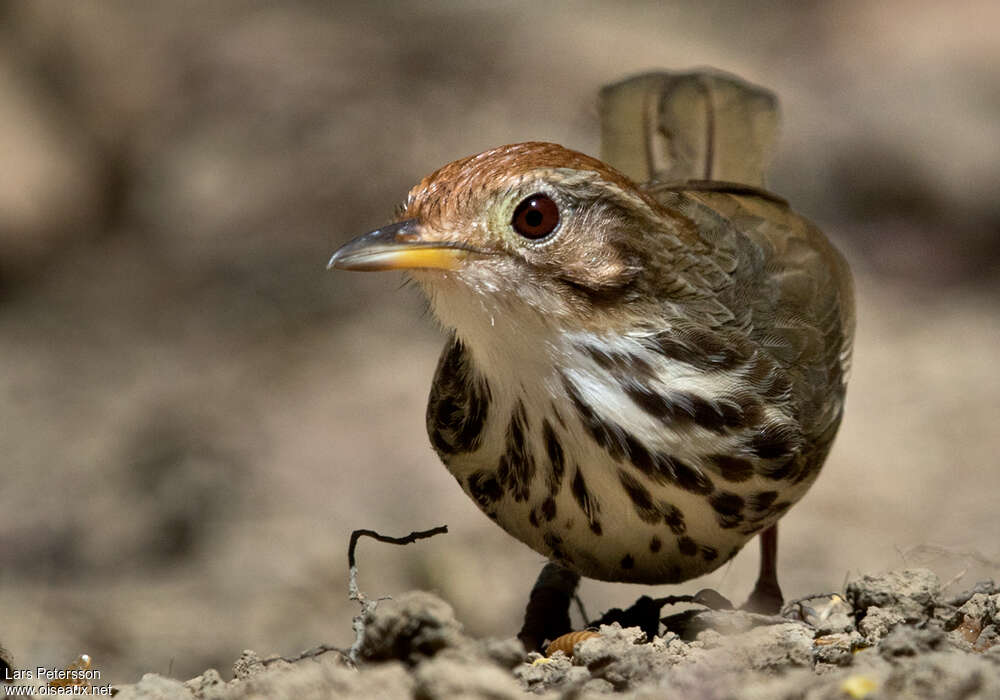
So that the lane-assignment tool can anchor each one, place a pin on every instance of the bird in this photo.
(640, 375)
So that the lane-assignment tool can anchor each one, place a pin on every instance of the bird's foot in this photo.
(645, 612)
(766, 598)
(547, 613)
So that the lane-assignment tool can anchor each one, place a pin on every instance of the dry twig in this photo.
(368, 606)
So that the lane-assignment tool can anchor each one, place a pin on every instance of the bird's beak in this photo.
(397, 246)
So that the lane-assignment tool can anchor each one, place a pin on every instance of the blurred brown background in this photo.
(196, 414)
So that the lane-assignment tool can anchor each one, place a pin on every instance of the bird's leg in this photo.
(766, 597)
(547, 613)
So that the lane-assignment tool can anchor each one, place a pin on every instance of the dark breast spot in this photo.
(588, 503)
(701, 349)
(484, 488)
(621, 364)
(779, 469)
(761, 500)
(459, 403)
(709, 553)
(687, 546)
(628, 562)
(726, 502)
(778, 445)
(605, 434)
(653, 403)
(638, 455)
(715, 415)
(557, 458)
(684, 408)
(620, 444)
(775, 441)
(471, 429)
(673, 517)
(447, 416)
(728, 509)
(684, 475)
(549, 509)
(730, 468)
(662, 468)
(517, 465)
(640, 496)
(655, 544)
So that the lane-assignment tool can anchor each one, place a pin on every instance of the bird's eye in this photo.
(536, 217)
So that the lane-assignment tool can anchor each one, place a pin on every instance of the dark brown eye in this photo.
(536, 217)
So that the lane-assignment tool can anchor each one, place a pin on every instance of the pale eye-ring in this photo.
(536, 216)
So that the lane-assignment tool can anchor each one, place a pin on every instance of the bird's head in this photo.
(525, 230)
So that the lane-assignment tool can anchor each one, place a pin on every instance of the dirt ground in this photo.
(197, 414)
(893, 635)
(889, 636)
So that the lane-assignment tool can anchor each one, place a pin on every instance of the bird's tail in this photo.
(678, 127)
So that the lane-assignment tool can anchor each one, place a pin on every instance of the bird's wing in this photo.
(701, 142)
(790, 291)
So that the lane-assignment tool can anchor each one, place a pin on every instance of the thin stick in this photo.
(307, 654)
(409, 539)
(368, 606)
